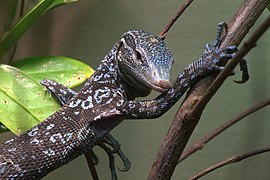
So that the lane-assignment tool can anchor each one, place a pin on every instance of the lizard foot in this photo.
(214, 55)
(243, 63)
(111, 147)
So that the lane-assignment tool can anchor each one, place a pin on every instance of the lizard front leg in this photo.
(109, 144)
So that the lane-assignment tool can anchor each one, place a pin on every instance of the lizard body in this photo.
(138, 63)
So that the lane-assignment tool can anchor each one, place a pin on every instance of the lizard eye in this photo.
(138, 55)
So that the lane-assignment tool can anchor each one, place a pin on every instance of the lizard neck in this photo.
(133, 88)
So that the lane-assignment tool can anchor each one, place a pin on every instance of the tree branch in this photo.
(89, 158)
(202, 142)
(233, 159)
(184, 6)
(191, 109)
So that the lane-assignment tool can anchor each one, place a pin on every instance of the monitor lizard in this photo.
(138, 63)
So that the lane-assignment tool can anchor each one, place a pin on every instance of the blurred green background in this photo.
(88, 29)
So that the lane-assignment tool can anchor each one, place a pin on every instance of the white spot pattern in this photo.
(50, 126)
(87, 104)
(54, 137)
(75, 103)
(49, 152)
(100, 94)
(33, 132)
(34, 141)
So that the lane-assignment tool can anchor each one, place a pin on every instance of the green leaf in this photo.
(66, 71)
(27, 20)
(268, 6)
(23, 102)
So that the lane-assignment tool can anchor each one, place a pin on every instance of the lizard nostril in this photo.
(154, 73)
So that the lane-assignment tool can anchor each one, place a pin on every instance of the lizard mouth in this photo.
(161, 86)
(159, 79)
(144, 82)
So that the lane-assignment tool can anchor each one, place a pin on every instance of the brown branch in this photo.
(202, 142)
(191, 109)
(233, 159)
(89, 158)
(184, 6)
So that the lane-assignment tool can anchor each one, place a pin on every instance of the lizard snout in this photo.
(164, 85)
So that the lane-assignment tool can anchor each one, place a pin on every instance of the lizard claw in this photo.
(110, 152)
(244, 69)
(111, 147)
(222, 27)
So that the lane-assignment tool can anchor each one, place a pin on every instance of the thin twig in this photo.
(89, 158)
(202, 142)
(189, 113)
(233, 159)
(184, 6)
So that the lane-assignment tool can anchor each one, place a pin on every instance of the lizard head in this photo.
(145, 61)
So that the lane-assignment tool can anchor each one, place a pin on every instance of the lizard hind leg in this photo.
(62, 93)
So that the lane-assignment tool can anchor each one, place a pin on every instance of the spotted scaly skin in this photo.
(138, 63)
(109, 144)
